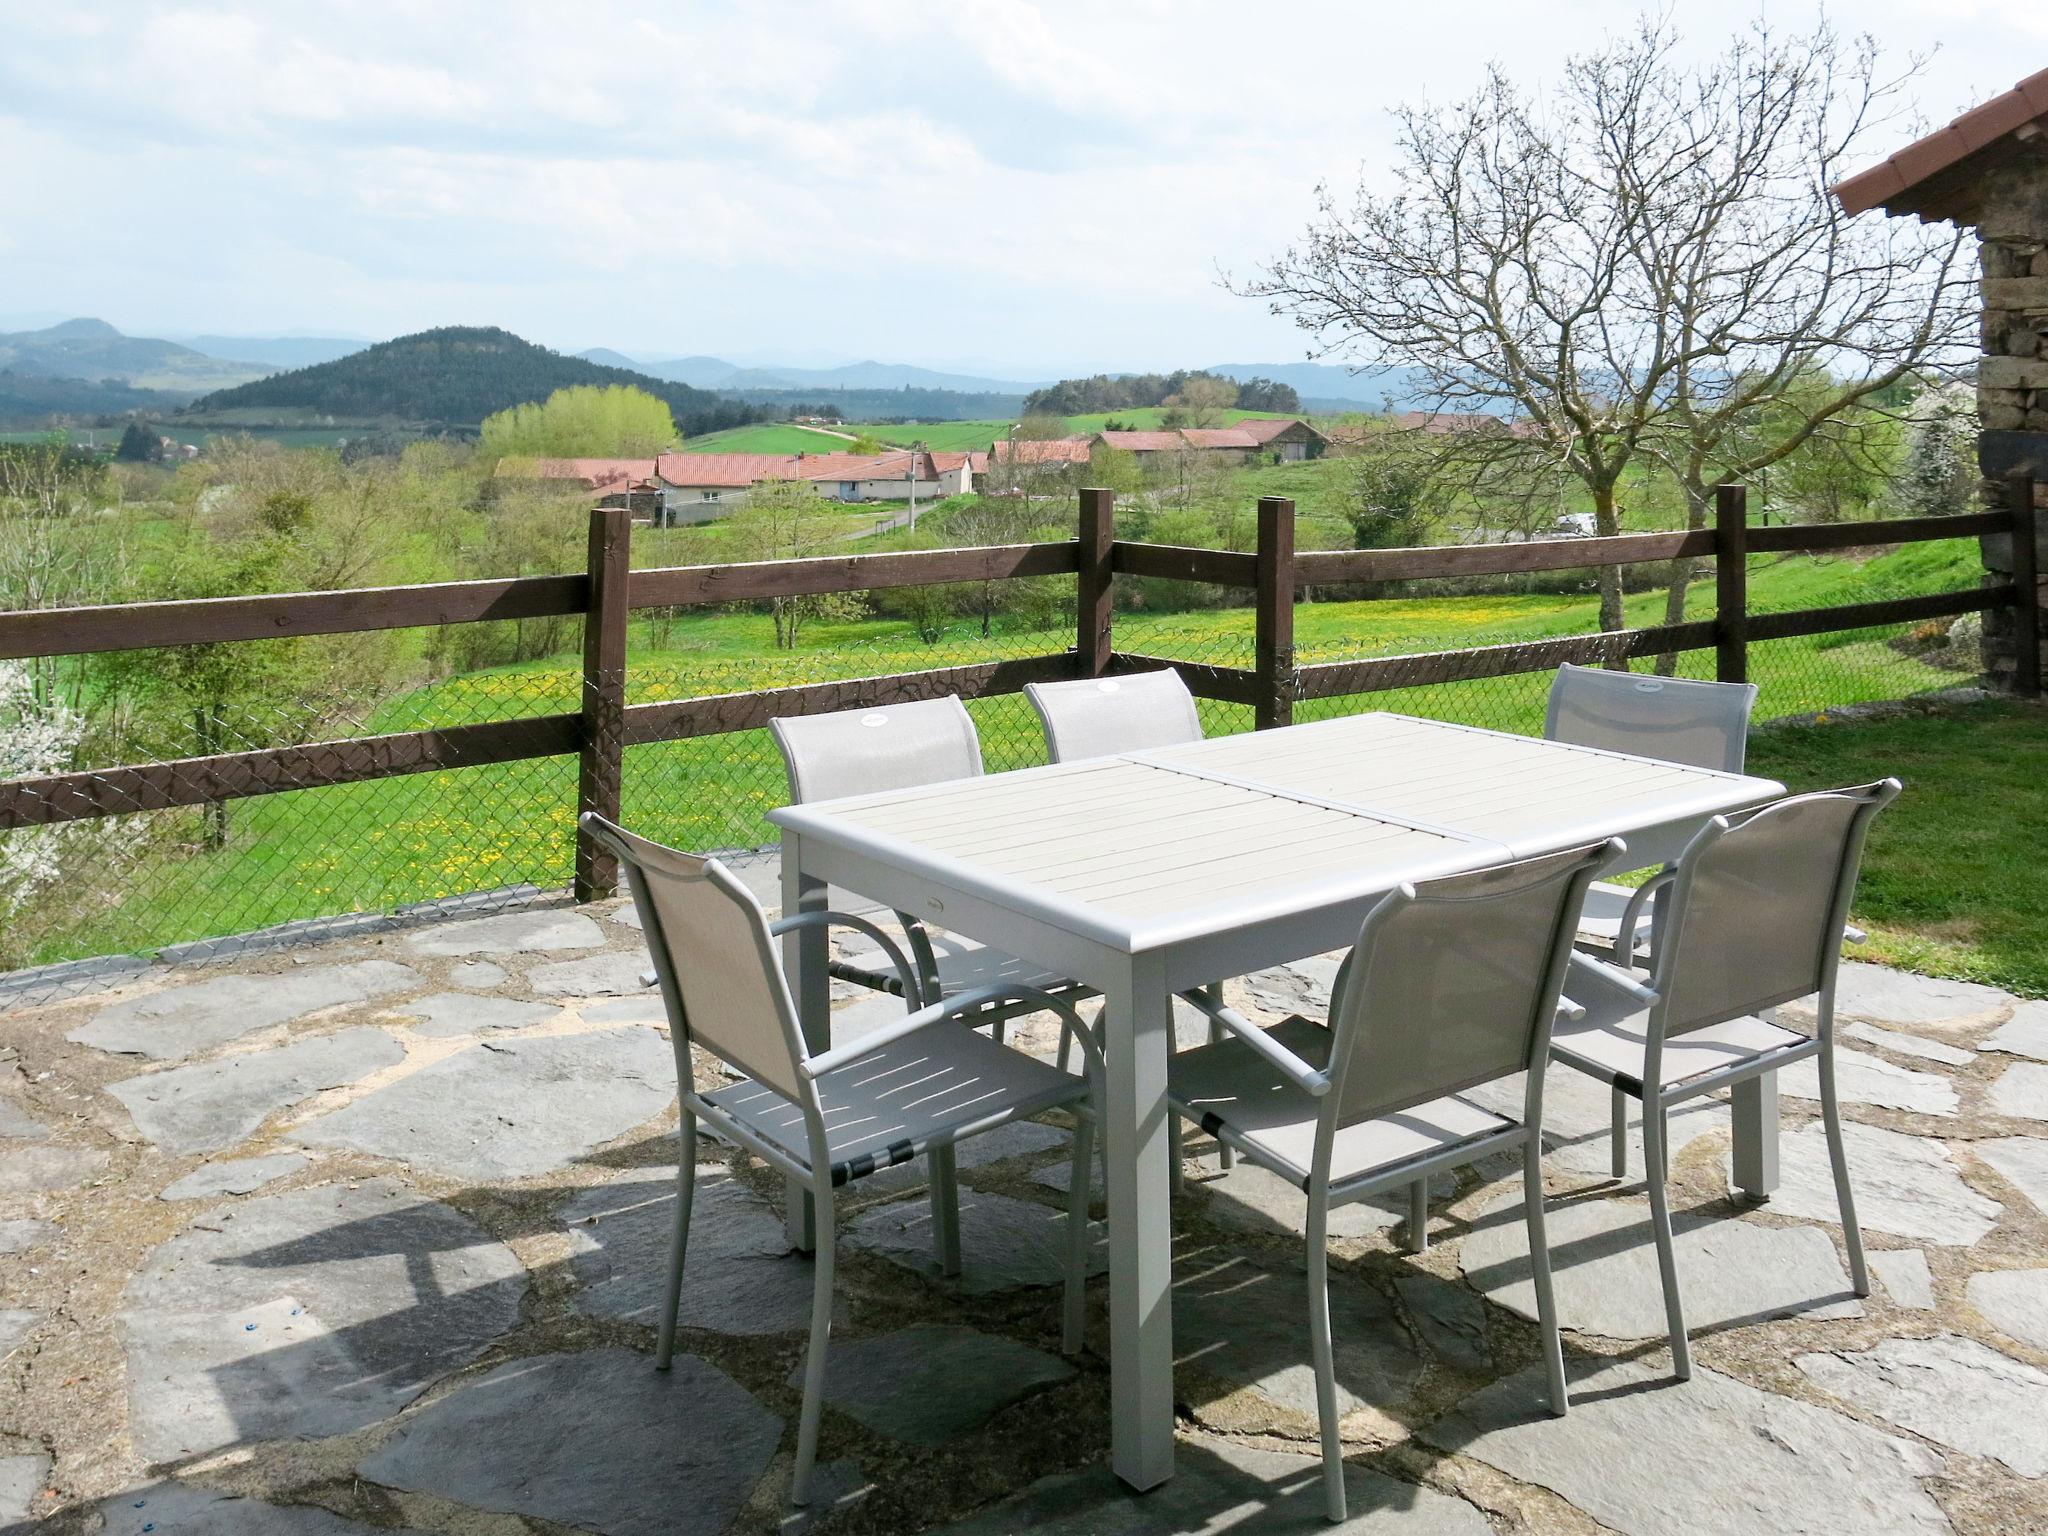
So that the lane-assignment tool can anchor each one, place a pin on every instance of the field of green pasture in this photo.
(768, 437)
(374, 846)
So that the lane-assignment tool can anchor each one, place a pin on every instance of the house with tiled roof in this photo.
(1287, 438)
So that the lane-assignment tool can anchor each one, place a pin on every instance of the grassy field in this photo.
(378, 845)
(767, 437)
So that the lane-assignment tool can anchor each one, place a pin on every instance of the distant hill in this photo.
(276, 351)
(605, 357)
(1324, 387)
(455, 376)
(904, 404)
(716, 373)
(93, 349)
(31, 399)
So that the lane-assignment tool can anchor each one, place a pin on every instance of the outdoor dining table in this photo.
(1146, 874)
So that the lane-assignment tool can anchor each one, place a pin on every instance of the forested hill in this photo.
(457, 375)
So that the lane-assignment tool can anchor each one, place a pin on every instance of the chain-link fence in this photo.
(185, 866)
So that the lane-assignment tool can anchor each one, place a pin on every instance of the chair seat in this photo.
(923, 1091)
(1234, 1093)
(1612, 1048)
(963, 967)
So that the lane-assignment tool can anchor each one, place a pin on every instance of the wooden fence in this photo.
(608, 590)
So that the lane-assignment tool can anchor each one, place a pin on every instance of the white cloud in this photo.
(1053, 183)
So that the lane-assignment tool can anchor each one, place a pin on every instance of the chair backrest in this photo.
(714, 958)
(865, 751)
(1100, 716)
(1453, 983)
(1703, 725)
(1755, 914)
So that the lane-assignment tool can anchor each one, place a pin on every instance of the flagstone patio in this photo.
(366, 1236)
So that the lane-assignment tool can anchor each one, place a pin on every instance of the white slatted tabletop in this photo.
(1146, 874)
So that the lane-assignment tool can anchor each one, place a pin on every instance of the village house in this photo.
(698, 487)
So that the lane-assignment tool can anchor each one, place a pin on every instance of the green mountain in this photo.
(455, 376)
(31, 399)
(93, 349)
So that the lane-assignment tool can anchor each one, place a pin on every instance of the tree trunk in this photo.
(1607, 523)
(1698, 502)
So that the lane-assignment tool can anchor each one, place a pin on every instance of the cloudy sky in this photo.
(1017, 188)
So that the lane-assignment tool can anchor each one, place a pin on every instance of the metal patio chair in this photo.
(1452, 984)
(1756, 905)
(902, 746)
(1102, 716)
(1672, 719)
(916, 1087)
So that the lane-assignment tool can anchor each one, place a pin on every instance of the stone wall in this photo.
(2012, 380)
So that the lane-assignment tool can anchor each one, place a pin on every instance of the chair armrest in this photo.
(913, 982)
(1570, 1012)
(1276, 1055)
(940, 1012)
(1851, 934)
(1604, 991)
(1632, 914)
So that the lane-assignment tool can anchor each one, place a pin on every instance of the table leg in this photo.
(1140, 1225)
(1755, 1102)
(805, 954)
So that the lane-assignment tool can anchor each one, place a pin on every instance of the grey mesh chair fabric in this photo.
(1102, 716)
(914, 1088)
(1452, 984)
(902, 746)
(1756, 908)
(1673, 719)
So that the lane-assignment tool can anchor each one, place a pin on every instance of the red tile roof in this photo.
(724, 469)
(1037, 450)
(1976, 129)
(592, 472)
(1263, 429)
(1219, 437)
(1140, 442)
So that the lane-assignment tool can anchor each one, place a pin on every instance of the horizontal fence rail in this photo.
(605, 594)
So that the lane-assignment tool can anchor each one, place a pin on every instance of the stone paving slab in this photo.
(2023, 1160)
(608, 975)
(20, 1236)
(1878, 994)
(1221, 1486)
(506, 1109)
(201, 1015)
(40, 1167)
(1861, 1078)
(739, 1275)
(181, 1509)
(1710, 1457)
(237, 1176)
(1020, 1138)
(509, 933)
(1604, 1268)
(1577, 1121)
(2021, 1091)
(1005, 1243)
(2015, 1302)
(464, 1013)
(2024, 1034)
(1955, 1391)
(208, 1107)
(312, 1312)
(1907, 1045)
(1904, 1274)
(21, 1479)
(576, 1438)
(17, 1124)
(14, 1327)
(929, 1383)
(477, 975)
(1242, 1322)
(1903, 1184)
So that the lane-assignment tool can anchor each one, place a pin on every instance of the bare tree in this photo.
(1639, 264)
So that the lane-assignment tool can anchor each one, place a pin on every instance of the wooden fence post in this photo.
(601, 758)
(1095, 583)
(1731, 583)
(1273, 642)
(2026, 581)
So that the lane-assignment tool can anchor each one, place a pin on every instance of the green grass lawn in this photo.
(943, 436)
(768, 437)
(378, 845)
(1952, 878)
